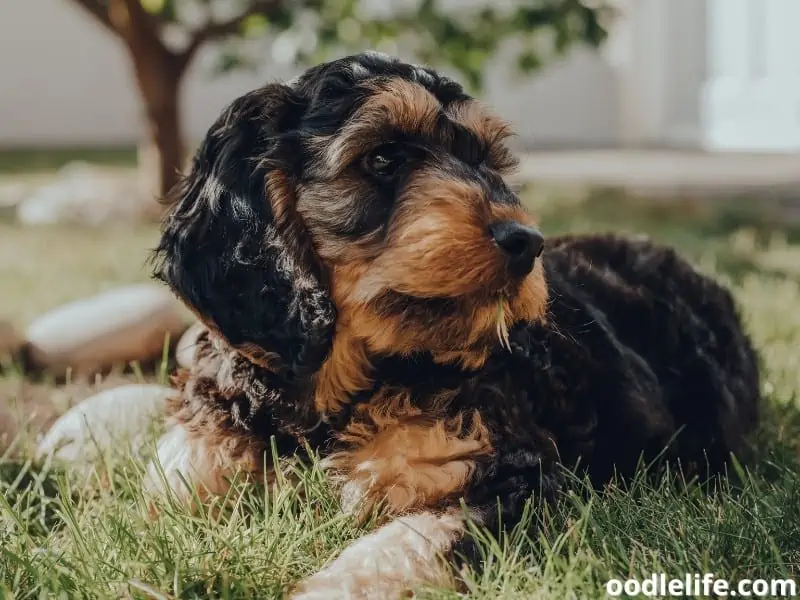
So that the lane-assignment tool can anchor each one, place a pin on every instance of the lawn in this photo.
(88, 536)
(14, 161)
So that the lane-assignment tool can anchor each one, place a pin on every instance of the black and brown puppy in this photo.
(371, 286)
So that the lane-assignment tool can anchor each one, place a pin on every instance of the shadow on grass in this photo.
(29, 496)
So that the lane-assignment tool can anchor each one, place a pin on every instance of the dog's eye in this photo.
(380, 163)
(384, 161)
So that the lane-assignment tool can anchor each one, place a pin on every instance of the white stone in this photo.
(115, 327)
(115, 420)
(185, 349)
(10, 341)
(86, 195)
(12, 192)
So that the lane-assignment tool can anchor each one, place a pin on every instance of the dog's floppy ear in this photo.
(233, 247)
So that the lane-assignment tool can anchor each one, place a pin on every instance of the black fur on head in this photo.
(232, 247)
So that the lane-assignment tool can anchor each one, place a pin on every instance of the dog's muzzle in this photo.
(521, 244)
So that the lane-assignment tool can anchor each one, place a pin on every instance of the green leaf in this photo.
(231, 60)
(528, 61)
(153, 6)
(255, 25)
(166, 10)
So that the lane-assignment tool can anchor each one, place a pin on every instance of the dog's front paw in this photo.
(171, 471)
(363, 581)
(389, 563)
(184, 469)
(193, 468)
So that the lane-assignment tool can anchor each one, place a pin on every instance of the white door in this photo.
(751, 100)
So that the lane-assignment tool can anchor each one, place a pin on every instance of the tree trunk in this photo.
(158, 73)
(161, 162)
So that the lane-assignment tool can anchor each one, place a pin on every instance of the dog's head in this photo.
(368, 197)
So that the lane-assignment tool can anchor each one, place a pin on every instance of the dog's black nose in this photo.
(521, 244)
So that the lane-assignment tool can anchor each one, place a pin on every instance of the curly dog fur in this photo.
(373, 288)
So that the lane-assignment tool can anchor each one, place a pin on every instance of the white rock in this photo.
(86, 195)
(185, 349)
(10, 341)
(115, 420)
(122, 325)
(12, 192)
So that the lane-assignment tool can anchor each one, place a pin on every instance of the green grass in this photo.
(17, 161)
(62, 535)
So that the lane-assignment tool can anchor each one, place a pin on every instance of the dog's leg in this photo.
(188, 465)
(390, 562)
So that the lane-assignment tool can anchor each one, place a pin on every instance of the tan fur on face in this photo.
(408, 107)
(438, 246)
(326, 205)
(405, 105)
(397, 104)
(401, 459)
(489, 128)
(391, 562)
(464, 336)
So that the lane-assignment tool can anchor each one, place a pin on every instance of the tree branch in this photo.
(99, 12)
(138, 18)
(215, 30)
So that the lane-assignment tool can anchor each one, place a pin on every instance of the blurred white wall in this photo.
(573, 102)
(63, 80)
(751, 96)
(674, 73)
(659, 53)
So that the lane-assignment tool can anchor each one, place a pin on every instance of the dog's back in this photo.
(681, 326)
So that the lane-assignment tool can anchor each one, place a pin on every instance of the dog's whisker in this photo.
(502, 324)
